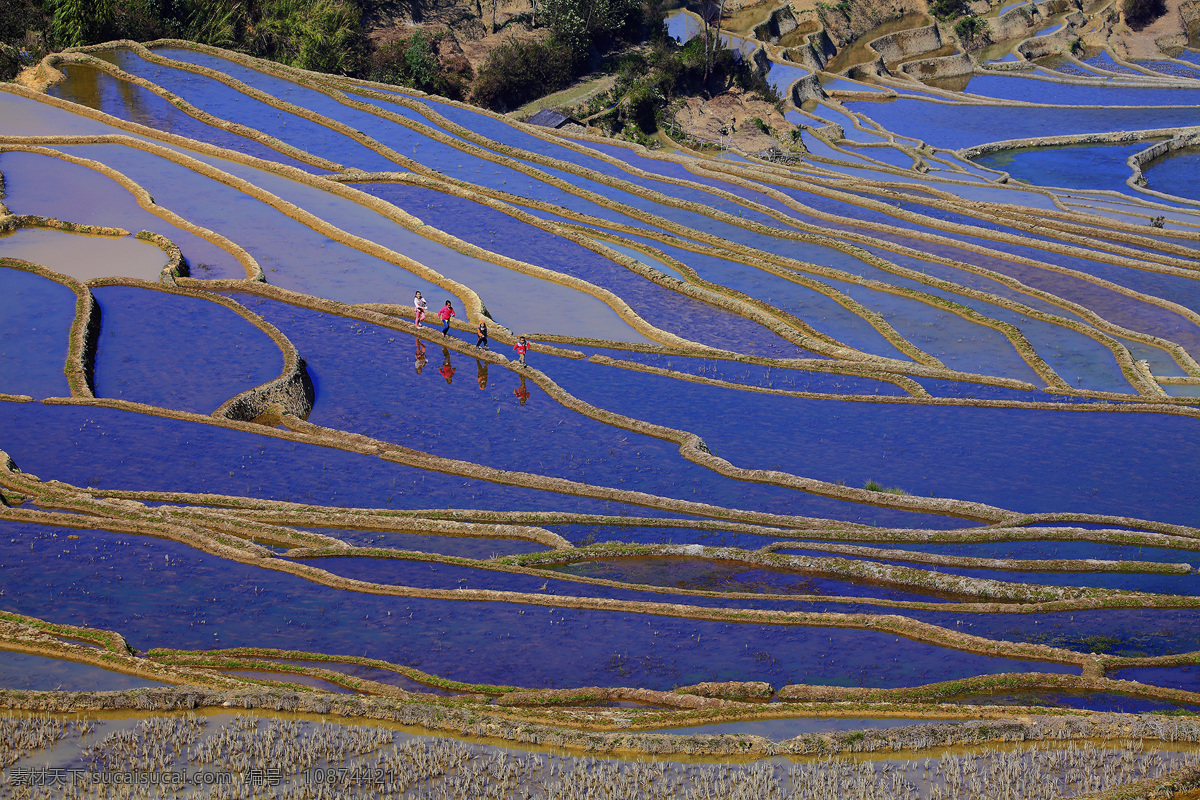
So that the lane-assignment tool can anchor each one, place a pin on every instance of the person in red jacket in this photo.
(521, 346)
(446, 312)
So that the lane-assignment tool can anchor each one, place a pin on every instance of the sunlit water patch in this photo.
(658, 305)
(291, 253)
(33, 184)
(507, 293)
(227, 103)
(83, 256)
(95, 88)
(757, 375)
(25, 116)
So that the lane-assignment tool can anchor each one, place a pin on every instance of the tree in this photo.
(420, 63)
(578, 23)
(967, 29)
(78, 22)
(1140, 13)
(947, 9)
(332, 37)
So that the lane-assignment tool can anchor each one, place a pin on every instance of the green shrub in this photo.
(19, 16)
(578, 24)
(10, 62)
(520, 71)
(641, 106)
(967, 28)
(876, 486)
(756, 122)
(947, 9)
(76, 22)
(415, 62)
(320, 35)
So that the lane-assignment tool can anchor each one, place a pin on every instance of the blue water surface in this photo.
(37, 314)
(179, 352)
(159, 593)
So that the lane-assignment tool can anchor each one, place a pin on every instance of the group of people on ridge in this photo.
(446, 313)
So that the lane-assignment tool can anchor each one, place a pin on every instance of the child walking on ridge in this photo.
(482, 340)
(446, 312)
(521, 346)
(419, 306)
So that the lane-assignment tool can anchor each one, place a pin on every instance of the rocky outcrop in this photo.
(905, 44)
(1189, 13)
(944, 67)
(815, 54)
(780, 23)
(807, 88)
(732, 119)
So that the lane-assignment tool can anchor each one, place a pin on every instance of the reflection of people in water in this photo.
(521, 392)
(420, 355)
(446, 370)
(481, 369)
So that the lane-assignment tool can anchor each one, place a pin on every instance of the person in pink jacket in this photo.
(446, 312)
(521, 346)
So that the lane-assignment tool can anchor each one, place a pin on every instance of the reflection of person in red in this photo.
(521, 392)
(446, 370)
(481, 371)
(420, 355)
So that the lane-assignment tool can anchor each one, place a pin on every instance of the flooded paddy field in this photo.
(869, 474)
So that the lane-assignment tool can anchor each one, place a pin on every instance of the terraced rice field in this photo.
(901, 433)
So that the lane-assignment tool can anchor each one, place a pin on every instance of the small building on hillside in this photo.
(549, 118)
